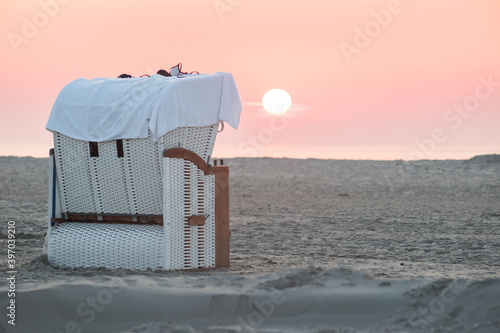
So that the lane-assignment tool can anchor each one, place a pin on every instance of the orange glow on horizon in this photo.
(368, 79)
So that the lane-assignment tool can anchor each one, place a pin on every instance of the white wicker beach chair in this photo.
(121, 199)
(138, 204)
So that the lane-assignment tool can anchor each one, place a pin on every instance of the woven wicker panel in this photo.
(144, 174)
(121, 185)
(197, 139)
(106, 245)
(73, 174)
(108, 180)
(189, 193)
(173, 219)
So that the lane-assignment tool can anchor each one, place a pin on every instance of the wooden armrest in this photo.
(189, 156)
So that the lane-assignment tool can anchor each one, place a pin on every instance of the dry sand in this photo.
(317, 246)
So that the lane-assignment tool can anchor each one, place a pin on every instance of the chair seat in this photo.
(128, 246)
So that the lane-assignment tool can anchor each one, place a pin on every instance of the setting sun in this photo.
(276, 101)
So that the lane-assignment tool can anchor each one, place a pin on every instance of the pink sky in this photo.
(411, 86)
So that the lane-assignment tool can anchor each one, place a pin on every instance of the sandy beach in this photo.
(316, 246)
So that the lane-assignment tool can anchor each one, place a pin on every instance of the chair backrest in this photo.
(122, 177)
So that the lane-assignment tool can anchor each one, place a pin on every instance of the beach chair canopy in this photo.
(106, 109)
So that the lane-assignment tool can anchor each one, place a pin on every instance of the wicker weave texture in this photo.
(106, 245)
(73, 173)
(134, 178)
(109, 184)
(189, 193)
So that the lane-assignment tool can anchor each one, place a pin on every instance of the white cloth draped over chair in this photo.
(110, 109)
